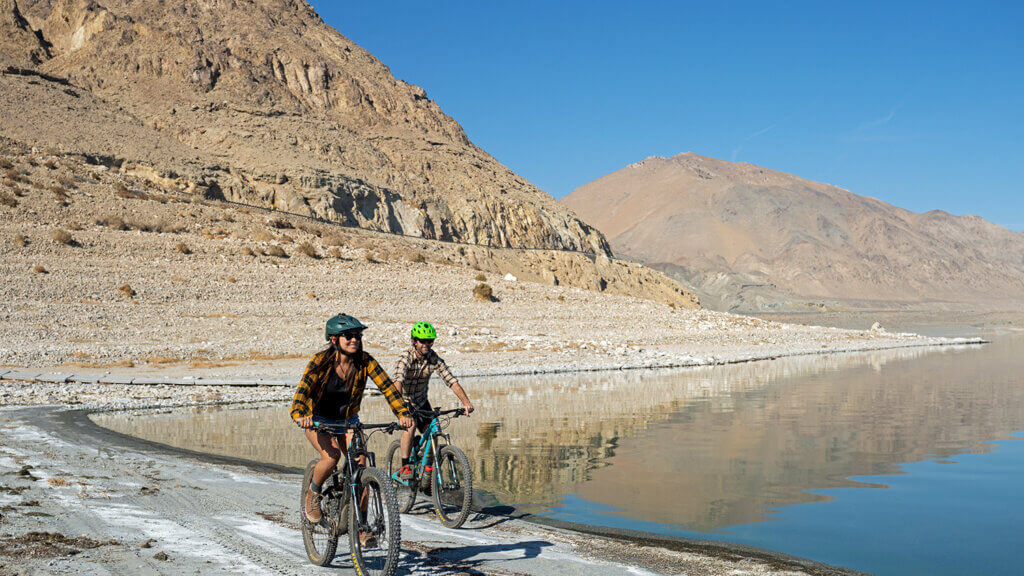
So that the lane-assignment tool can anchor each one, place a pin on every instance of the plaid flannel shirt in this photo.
(414, 374)
(314, 380)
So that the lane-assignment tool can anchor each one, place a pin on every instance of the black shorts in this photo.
(422, 421)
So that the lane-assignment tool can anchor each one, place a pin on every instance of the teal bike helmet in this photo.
(341, 323)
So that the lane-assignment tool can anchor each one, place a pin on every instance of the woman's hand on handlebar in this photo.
(305, 423)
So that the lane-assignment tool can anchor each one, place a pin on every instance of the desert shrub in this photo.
(418, 258)
(14, 174)
(168, 227)
(307, 249)
(122, 191)
(335, 252)
(287, 239)
(75, 226)
(61, 236)
(58, 190)
(7, 200)
(246, 251)
(181, 247)
(50, 164)
(263, 236)
(18, 191)
(481, 277)
(20, 241)
(127, 290)
(6, 164)
(369, 257)
(67, 182)
(277, 252)
(39, 269)
(114, 222)
(280, 223)
(483, 292)
(334, 240)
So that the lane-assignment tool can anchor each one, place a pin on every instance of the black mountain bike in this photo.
(438, 468)
(376, 554)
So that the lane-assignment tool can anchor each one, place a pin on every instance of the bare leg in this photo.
(330, 451)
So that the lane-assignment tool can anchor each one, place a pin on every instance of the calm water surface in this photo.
(896, 462)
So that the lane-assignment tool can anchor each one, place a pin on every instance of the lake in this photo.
(904, 461)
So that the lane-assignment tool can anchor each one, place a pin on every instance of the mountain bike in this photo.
(377, 515)
(441, 469)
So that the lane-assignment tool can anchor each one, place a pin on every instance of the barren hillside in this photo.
(275, 108)
(750, 238)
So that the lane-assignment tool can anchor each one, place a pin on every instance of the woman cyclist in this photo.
(332, 387)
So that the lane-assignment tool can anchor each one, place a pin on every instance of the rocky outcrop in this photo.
(19, 44)
(300, 117)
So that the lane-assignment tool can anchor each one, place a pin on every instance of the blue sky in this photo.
(920, 104)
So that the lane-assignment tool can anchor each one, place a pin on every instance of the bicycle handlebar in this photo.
(435, 412)
(328, 425)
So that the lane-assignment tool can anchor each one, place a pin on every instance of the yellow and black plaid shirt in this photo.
(314, 380)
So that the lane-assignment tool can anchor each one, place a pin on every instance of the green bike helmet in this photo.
(424, 331)
(341, 323)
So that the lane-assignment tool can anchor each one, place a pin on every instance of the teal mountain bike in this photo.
(440, 469)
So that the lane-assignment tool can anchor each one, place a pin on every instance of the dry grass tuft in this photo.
(54, 481)
(181, 247)
(20, 241)
(122, 191)
(334, 240)
(114, 222)
(40, 269)
(263, 236)
(127, 290)
(418, 258)
(277, 252)
(280, 223)
(6, 164)
(370, 257)
(335, 252)
(481, 277)
(484, 292)
(61, 236)
(246, 251)
(8, 200)
(308, 249)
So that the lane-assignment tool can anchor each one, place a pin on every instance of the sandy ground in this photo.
(79, 499)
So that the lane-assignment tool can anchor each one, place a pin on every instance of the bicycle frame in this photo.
(349, 473)
(427, 448)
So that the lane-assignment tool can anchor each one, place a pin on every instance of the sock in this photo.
(315, 487)
(406, 461)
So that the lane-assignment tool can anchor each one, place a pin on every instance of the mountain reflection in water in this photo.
(699, 448)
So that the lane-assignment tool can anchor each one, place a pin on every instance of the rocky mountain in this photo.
(271, 107)
(752, 239)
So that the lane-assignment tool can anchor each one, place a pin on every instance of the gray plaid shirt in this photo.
(414, 374)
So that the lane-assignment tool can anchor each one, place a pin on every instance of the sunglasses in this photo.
(352, 335)
(425, 340)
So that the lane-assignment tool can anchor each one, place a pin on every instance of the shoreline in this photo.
(52, 376)
(646, 552)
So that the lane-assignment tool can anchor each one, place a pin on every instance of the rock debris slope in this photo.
(755, 239)
(283, 111)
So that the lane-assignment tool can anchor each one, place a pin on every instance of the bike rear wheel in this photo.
(320, 538)
(405, 493)
(381, 522)
(452, 486)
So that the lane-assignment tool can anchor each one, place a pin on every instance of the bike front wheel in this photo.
(406, 493)
(320, 538)
(374, 532)
(452, 486)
